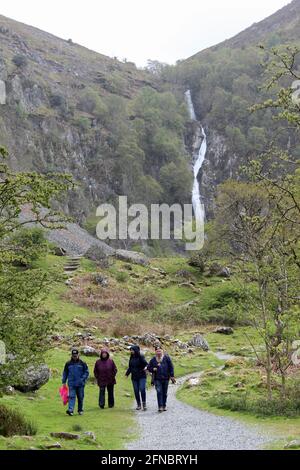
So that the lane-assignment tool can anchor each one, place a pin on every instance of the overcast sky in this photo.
(138, 30)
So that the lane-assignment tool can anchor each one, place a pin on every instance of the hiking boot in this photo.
(144, 407)
(164, 408)
(80, 413)
(160, 409)
(102, 407)
(138, 408)
(70, 413)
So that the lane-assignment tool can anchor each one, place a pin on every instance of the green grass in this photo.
(112, 427)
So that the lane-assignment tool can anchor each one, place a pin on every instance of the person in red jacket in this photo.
(105, 371)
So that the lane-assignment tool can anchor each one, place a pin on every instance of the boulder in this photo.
(132, 257)
(216, 269)
(224, 330)
(90, 435)
(198, 341)
(33, 378)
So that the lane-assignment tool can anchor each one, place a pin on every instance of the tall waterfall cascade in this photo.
(198, 159)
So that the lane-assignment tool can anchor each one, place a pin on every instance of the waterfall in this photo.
(198, 159)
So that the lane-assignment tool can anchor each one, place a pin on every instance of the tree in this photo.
(25, 325)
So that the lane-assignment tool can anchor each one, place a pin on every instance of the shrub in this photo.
(29, 245)
(12, 423)
(19, 60)
(259, 406)
(122, 277)
(57, 101)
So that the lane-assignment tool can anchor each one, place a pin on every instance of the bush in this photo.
(220, 304)
(12, 423)
(29, 245)
(57, 101)
(19, 60)
(259, 407)
(122, 277)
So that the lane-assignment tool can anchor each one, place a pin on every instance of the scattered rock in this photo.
(58, 251)
(65, 435)
(9, 390)
(132, 257)
(293, 444)
(78, 323)
(99, 279)
(90, 435)
(193, 381)
(224, 330)
(55, 445)
(198, 341)
(216, 269)
(33, 378)
(89, 351)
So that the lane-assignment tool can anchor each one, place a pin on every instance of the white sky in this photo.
(165, 30)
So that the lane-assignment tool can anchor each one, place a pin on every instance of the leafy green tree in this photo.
(25, 325)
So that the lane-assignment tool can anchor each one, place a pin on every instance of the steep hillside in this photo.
(65, 108)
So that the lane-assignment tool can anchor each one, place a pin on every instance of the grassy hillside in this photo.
(168, 306)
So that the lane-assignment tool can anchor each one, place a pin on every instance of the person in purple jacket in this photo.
(105, 371)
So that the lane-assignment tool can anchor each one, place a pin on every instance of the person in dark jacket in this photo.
(162, 370)
(137, 368)
(105, 371)
(76, 372)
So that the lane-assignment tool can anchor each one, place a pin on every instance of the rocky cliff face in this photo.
(41, 123)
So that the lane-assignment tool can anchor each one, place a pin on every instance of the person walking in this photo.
(105, 371)
(162, 370)
(76, 373)
(137, 368)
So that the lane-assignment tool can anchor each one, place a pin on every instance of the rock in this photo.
(2, 92)
(132, 257)
(58, 251)
(55, 445)
(197, 261)
(293, 444)
(198, 341)
(97, 253)
(90, 435)
(224, 330)
(216, 269)
(183, 273)
(9, 390)
(33, 378)
(78, 323)
(193, 381)
(89, 351)
(65, 435)
(99, 279)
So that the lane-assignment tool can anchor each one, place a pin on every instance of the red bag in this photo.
(64, 393)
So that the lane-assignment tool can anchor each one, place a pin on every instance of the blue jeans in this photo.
(162, 392)
(73, 393)
(139, 387)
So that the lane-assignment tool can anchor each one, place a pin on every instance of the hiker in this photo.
(137, 368)
(105, 371)
(162, 370)
(76, 372)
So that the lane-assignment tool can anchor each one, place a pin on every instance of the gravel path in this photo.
(183, 427)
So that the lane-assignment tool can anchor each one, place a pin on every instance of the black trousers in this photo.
(110, 392)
